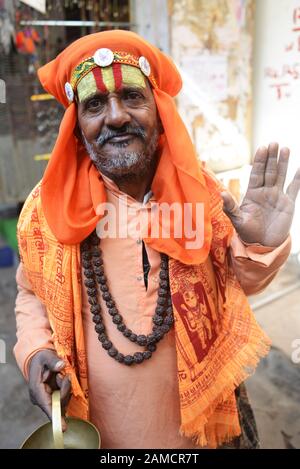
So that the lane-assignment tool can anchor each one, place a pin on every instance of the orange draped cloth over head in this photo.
(72, 187)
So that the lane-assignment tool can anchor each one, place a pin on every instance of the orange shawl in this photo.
(218, 345)
(218, 342)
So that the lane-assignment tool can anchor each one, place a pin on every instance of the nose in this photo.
(116, 115)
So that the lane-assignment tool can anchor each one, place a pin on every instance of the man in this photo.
(151, 335)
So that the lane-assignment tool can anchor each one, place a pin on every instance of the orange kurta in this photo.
(134, 407)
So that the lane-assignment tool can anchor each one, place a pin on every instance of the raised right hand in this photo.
(45, 377)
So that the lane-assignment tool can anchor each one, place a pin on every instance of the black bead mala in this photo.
(163, 319)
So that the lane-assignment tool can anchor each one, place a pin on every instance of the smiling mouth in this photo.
(121, 138)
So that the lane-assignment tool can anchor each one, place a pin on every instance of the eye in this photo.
(94, 104)
(133, 96)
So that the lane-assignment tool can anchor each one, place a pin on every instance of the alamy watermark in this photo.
(2, 91)
(2, 351)
(184, 222)
(296, 353)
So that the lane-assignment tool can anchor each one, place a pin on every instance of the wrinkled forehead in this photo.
(109, 79)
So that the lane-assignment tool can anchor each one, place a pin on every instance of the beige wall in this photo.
(211, 42)
(151, 20)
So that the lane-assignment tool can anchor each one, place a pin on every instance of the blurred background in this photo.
(240, 63)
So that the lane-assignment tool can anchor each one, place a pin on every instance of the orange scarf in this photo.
(218, 341)
(217, 337)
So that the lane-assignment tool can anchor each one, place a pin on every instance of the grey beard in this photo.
(125, 166)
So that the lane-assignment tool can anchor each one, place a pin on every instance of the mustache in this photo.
(107, 134)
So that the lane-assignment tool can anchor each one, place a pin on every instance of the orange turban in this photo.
(72, 187)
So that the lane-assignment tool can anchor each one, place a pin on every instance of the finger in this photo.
(48, 389)
(65, 391)
(257, 176)
(46, 375)
(59, 379)
(46, 406)
(54, 363)
(293, 189)
(63, 424)
(40, 397)
(230, 206)
(271, 166)
(282, 167)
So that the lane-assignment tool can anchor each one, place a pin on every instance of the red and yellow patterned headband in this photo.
(109, 79)
(109, 71)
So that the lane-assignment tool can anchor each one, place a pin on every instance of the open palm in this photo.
(266, 213)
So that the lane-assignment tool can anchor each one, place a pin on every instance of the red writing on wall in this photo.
(296, 19)
(285, 71)
(282, 77)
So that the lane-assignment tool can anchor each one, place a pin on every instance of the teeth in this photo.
(121, 143)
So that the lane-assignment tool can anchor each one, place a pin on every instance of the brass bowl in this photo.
(80, 434)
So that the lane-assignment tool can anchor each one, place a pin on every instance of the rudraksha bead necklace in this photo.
(163, 319)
